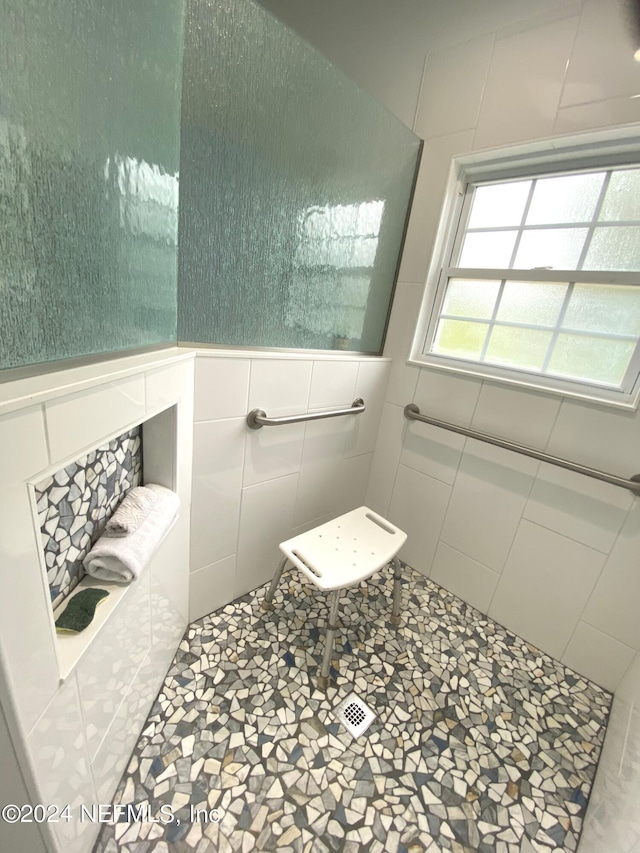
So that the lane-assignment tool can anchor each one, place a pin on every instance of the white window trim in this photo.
(602, 149)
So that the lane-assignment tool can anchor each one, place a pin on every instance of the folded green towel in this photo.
(80, 611)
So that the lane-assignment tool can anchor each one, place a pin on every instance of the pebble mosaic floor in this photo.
(481, 742)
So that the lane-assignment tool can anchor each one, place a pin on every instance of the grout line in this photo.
(47, 440)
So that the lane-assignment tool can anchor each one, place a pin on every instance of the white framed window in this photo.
(535, 277)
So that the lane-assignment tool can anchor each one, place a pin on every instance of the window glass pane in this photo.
(614, 249)
(499, 204)
(525, 348)
(459, 338)
(488, 249)
(604, 308)
(467, 298)
(531, 302)
(596, 359)
(555, 248)
(622, 200)
(568, 198)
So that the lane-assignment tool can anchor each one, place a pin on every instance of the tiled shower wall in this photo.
(548, 553)
(254, 488)
(75, 503)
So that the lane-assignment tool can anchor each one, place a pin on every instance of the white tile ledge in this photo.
(33, 390)
(288, 355)
(71, 647)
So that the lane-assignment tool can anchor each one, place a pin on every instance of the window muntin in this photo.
(542, 279)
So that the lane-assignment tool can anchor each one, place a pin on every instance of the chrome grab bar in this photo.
(257, 418)
(412, 412)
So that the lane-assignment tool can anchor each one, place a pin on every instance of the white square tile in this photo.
(598, 114)
(280, 387)
(212, 587)
(18, 836)
(60, 762)
(488, 499)
(613, 606)
(523, 416)
(524, 84)
(221, 387)
(598, 656)
(353, 483)
(81, 421)
(452, 87)
(166, 385)
(545, 584)
(169, 568)
(112, 757)
(113, 658)
(325, 439)
(583, 509)
(26, 631)
(386, 457)
(629, 689)
(272, 452)
(470, 580)
(602, 64)
(402, 383)
(218, 458)
(24, 446)
(266, 519)
(434, 451)
(427, 202)
(447, 396)
(333, 383)
(319, 487)
(418, 506)
(597, 436)
(371, 385)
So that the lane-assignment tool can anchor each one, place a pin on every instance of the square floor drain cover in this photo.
(355, 715)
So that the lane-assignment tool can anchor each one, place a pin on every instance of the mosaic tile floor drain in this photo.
(480, 743)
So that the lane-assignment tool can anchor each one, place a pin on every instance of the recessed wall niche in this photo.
(74, 505)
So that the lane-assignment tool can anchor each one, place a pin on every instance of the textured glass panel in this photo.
(488, 249)
(594, 359)
(297, 186)
(604, 308)
(531, 302)
(457, 338)
(499, 204)
(622, 201)
(614, 249)
(468, 298)
(518, 347)
(553, 248)
(89, 151)
(568, 198)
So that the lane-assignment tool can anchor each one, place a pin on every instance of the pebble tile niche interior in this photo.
(75, 503)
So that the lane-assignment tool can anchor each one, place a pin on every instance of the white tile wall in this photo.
(79, 422)
(612, 822)
(524, 84)
(544, 587)
(253, 488)
(488, 498)
(212, 587)
(83, 729)
(507, 520)
(418, 506)
(218, 459)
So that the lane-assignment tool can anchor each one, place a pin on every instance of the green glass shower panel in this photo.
(295, 188)
(89, 156)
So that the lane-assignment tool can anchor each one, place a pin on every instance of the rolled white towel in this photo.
(121, 559)
(135, 507)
